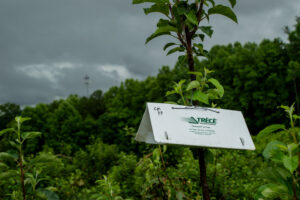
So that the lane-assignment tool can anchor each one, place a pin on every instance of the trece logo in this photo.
(201, 120)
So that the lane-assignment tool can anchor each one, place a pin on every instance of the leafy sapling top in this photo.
(194, 126)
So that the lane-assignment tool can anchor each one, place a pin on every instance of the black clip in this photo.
(166, 135)
(242, 141)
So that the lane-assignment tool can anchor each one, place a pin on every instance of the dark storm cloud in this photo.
(247, 8)
(48, 46)
(258, 19)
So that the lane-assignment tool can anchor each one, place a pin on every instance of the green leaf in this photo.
(170, 102)
(8, 174)
(156, 155)
(292, 148)
(213, 94)
(296, 116)
(191, 17)
(163, 30)
(207, 71)
(167, 28)
(155, 35)
(201, 36)
(232, 2)
(13, 144)
(180, 83)
(289, 110)
(171, 92)
(48, 194)
(180, 9)
(283, 173)
(3, 166)
(283, 147)
(168, 45)
(193, 85)
(20, 119)
(209, 156)
(217, 85)
(118, 198)
(180, 195)
(286, 108)
(207, 30)
(200, 48)
(30, 135)
(273, 191)
(149, 1)
(5, 156)
(273, 150)
(276, 175)
(223, 10)
(24, 119)
(163, 22)
(6, 131)
(290, 163)
(182, 59)
(161, 8)
(270, 129)
(175, 50)
(201, 97)
(165, 147)
(206, 16)
(196, 73)
(212, 2)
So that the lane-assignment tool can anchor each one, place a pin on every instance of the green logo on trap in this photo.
(201, 120)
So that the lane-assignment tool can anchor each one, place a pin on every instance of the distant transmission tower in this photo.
(86, 82)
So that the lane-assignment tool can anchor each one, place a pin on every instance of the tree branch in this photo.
(179, 35)
(199, 13)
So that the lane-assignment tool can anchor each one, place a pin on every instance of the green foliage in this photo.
(207, 30)
(283, 177)
(182, 22)
(234, 174)
(294, 40)
(256, 80)
(272, 150)
(199, 90)
(109, 191)
(123, 173)
(8, 112)
(270, 129)
(98, 159)
(223, 10)
(30, 169)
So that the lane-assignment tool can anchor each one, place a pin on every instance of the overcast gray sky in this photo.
(48, 46)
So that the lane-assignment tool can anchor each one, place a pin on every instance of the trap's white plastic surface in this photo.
(194, 126)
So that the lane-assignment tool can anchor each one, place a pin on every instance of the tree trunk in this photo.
(201, 159)
(203, 178)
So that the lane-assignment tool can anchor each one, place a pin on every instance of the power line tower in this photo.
(87, 82)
